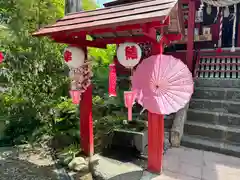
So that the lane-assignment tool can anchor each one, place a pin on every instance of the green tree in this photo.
(36, 100)
(33, 67)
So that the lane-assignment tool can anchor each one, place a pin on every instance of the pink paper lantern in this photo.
(74, 57)
(129, 98)
(129, 54)
(75, 95)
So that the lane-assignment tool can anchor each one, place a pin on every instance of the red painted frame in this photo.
(196, 66)
(156, 121)
(191, 24)
(147, 29)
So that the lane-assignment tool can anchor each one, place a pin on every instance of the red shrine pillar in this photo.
(155, 142)
(190, 34)
(155, 133)
(86, 122)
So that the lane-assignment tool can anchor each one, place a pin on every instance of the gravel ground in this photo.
(25, 164)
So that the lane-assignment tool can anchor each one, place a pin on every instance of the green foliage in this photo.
(102, 56)
(89, 5)
(66, 119)
(36, 100)
(33, 69)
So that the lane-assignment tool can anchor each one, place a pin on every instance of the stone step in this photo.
(210, 145)
(219, 118)
(217, 93)
(108, 168)
(215, 105)
(129, 139)
(216, 132)
(215, 82)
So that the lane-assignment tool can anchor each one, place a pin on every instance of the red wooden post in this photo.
(86, 123)
(190, 35)
(155, 132)
(155, 142)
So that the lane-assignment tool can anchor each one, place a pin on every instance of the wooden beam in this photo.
(102, 43)
(119, 40)
(149, 29)
(153, 24)
(173, 37)
(190, 33)
(165, 40)
(166, 21)
(150, 33)
(79, 41)
(83, 43)
(185, 1)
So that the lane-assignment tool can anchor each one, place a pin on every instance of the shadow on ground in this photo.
(18, 165)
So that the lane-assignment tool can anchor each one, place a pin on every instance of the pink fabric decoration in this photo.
(163, 84)
(129, 99)
(112, 80)
(75, 95)
(1, 57)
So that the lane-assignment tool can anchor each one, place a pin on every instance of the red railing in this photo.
(196, 65)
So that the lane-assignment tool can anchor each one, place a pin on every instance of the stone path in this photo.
(179, 164)
(22, 164)
(189, 164)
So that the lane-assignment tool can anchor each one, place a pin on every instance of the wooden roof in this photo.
(118, 2)
(114, 22)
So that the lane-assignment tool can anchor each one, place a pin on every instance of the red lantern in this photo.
(75, 95)
(129, 98)
(1, 57)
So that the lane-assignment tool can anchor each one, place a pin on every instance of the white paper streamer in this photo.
(234, 28)
(220, 30)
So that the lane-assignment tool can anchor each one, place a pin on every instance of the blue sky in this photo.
(101, 2)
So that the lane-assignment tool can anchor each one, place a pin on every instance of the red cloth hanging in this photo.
(219, 50)
(129, 99)
(1, 57)
(112, 80)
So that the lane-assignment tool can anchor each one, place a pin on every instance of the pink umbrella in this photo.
(163, 84)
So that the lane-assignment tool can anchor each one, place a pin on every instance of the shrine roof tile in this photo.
(110, 17)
